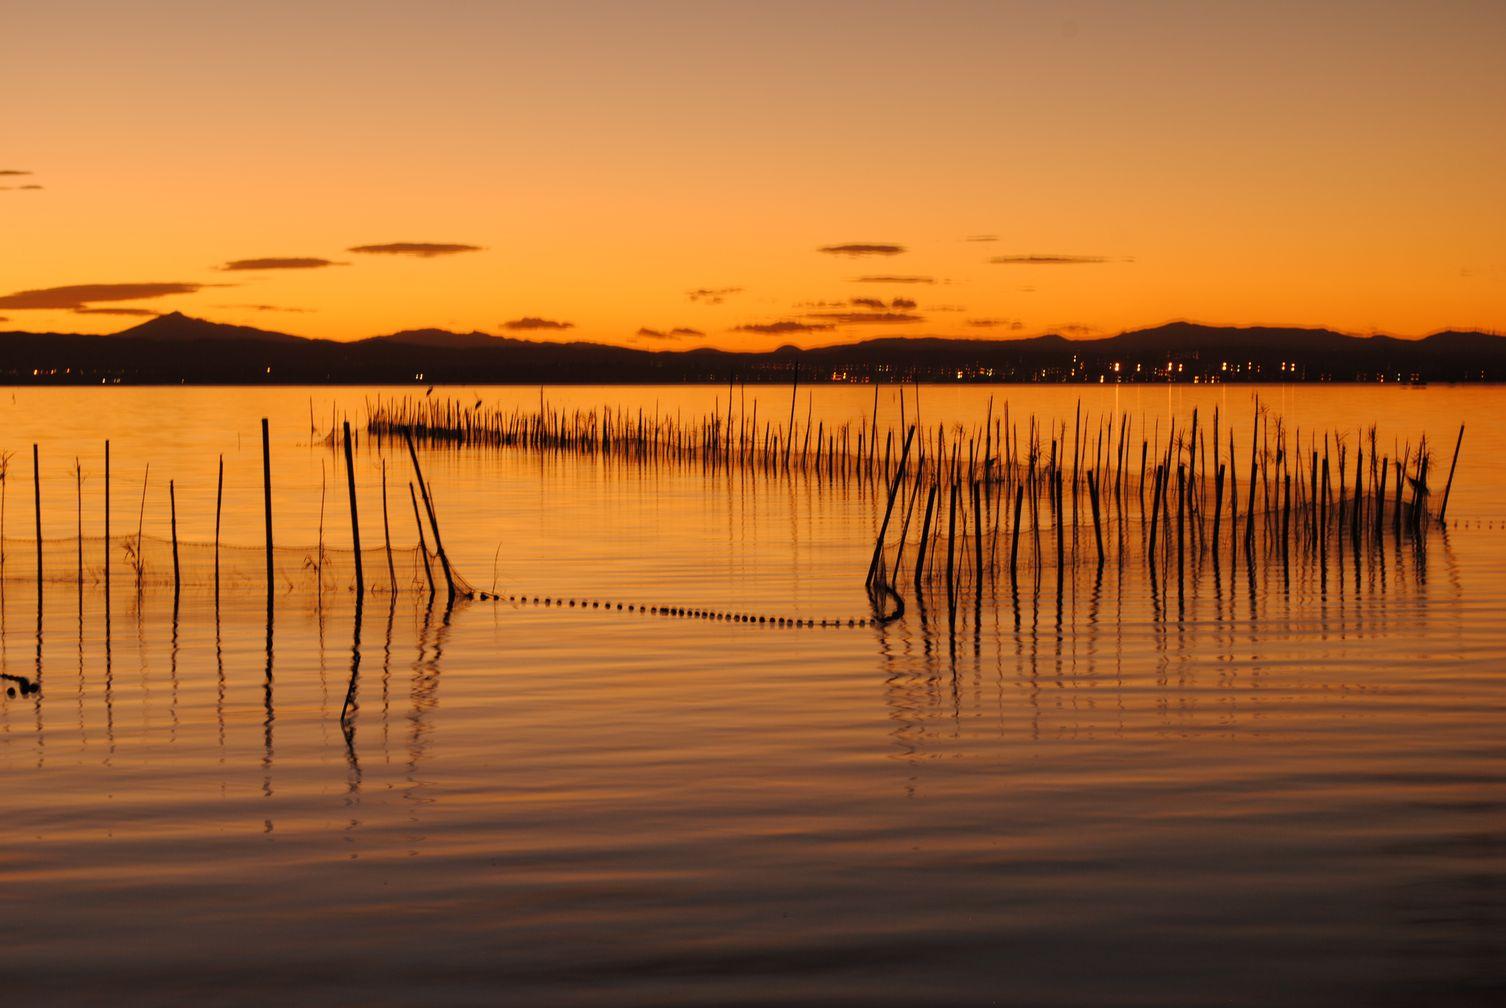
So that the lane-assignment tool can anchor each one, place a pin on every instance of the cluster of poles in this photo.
(734, 436)
(970, 503)
(419, 493)
(1183, 498)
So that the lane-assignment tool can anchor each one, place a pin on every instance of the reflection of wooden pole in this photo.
(266, 482)
(355, 523)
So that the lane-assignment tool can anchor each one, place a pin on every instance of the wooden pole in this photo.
(36, 486)
(899, 475)
(1093, 501)
(978, 541)
(1443, 510)
(78, 487)
(1014, 537)
(172, 504)
(925, 536)
(951, 556)
(387, 531)
(107, 517)
(444, 562)
(219, 500)
(423, 547)
(355, 522)
(266, 483)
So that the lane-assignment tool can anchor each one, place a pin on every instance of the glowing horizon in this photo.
(677, 175)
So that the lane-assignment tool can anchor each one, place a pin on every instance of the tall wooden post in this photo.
(355, 522)
(36, 487)
(266, 480)
(172, 503)
(107, 517)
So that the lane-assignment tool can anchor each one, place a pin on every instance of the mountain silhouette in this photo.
(177, 327)
(440, 338)
(176, 348)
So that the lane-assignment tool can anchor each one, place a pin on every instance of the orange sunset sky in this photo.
(342, 169)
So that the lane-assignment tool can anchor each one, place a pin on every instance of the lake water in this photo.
(1269, 789)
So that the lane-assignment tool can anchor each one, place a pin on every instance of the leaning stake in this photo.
(355, 522)
(1443, 510)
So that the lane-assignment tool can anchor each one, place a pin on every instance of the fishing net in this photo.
(148, 562)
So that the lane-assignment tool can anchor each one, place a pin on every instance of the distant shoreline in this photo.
(177, 350)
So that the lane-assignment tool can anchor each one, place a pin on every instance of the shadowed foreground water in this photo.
(1270, 787)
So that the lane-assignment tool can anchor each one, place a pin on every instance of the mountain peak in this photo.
(175, 326)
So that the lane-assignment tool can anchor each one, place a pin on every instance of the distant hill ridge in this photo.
(178, 348)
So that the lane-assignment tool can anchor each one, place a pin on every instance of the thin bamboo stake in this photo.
(1443, 509)
(444, 561)
(925, 535)
(36, 486)
(423, 547)
(107, 519)
(355, 522)
(387, 532)
(172, 503)
(266, 482)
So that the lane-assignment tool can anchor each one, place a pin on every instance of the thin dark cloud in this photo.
(895, 279)
(529, 322)
(133, 312)
(280, 263)
(82, 295)
(19, 188)
(860, 318)
(877, 304)
(261, 308)
(423, 250)
(862, 249)
(712, 295)
(1052, 260)
(679, 332)
(13, 171)
(996, 323)
(981, 238)
(785, 326)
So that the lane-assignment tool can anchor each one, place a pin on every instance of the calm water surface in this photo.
(1272, 790)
